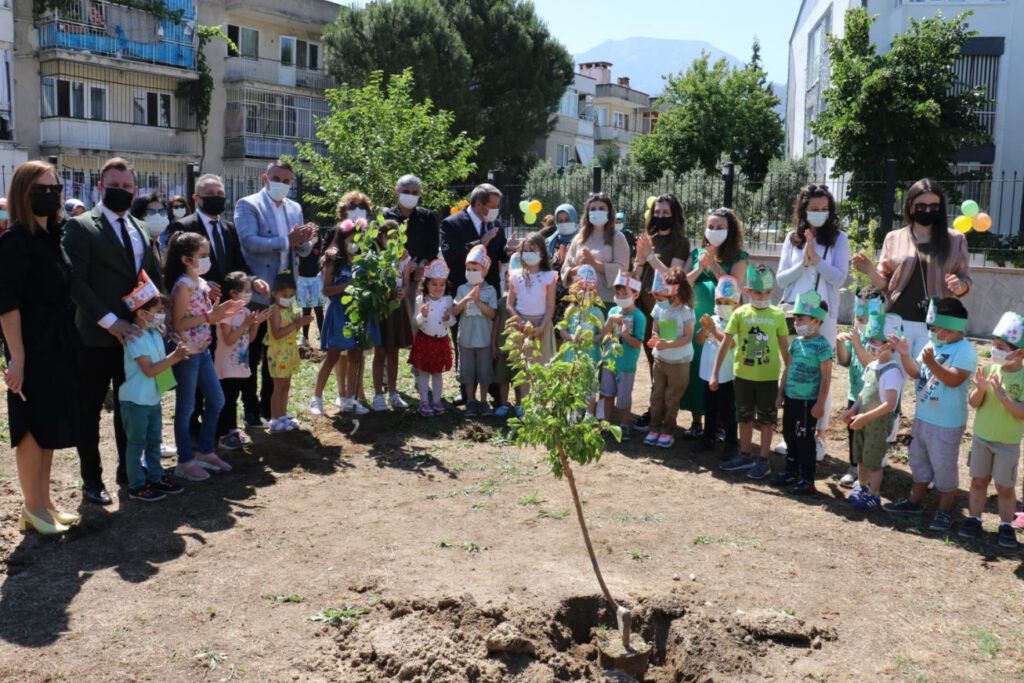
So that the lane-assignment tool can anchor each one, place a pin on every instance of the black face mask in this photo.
(46, 205)
(661, 222)
(925, 218)
(117, 200)
(213, 206)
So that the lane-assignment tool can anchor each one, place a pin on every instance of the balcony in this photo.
(125, 33)
(621, 92)
(265, 147)
(121, 137)
(275, 73)
(613, 134)
(585, 128)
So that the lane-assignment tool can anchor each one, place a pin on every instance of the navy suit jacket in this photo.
(458, 236)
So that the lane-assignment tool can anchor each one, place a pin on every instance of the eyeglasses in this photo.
(156, 212)
(39, 188)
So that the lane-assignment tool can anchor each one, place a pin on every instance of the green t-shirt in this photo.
(756, 333)
(636, 323)
(805, 358)
(856, 369)
(992, 421)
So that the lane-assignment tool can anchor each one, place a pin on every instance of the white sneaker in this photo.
(316, 406)
(380, 405)
(278, 426)
(849, 479)
(820, 446)
(303, 343)
(781, 449)
(397, 403)
(358, 407)
(345, 404)
(292, 423)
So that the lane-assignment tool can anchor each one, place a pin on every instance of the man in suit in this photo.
(271, 229)
(108, 250)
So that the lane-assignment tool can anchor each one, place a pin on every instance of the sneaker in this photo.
(804, 487)
(344, 404)
(626, 433)
(737, 463)
(760, 470)
(471, 409)
(165, 485)
(253, 420)
(971, 528)
(146, 493)
(849, 479)
(358, 408)
(643, 423)
(781, 449)
(695, 431)
(784, 479)
(1007, 537)
(518, 410)
(438, 407)
(863, 500)
(397, 403)
(210, 461)
(167, 450)
(380, 404)
(278, 426)
(316, 406)
(903, 506)
(243, 437)
(483, 410)
(941, 522)
(666, 441)
(652, 439)
(191, 471)
(1018, 521)
(293, 424)
(425, 409)
(303, 343)
(502, 412)
(230, 441)
(720, 435)
(822, 451)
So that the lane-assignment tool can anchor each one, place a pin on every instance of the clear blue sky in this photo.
(729, 25)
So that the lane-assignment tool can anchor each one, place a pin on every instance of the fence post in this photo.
(190, 182)
(888, 196)
(597, 179)
(728, 176)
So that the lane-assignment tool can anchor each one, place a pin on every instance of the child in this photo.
(531, 296)
(942, 371)
(395, 332)
(719, 405)
(145, 361)
(872, 415)
(231, 357)
(502, 372)
(851, 353)
(803, 391)
(672, 344)
(192, 313)
(309, 283)
(431, 347)
(586, 280)
(759, 332)
(475, 304)
(283, 350)
(628, 323)
(995, 452)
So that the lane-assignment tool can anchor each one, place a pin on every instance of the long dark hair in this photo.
(182, 244)
(730, 250)
(827, 233)
(940, 228)
(684, 290)
(677, 215)
(536, 240)
(586, 229)
(142, 203)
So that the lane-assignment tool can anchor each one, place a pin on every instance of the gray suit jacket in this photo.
(261, 244)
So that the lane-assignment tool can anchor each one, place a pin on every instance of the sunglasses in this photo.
(156, 212)
(39, 188)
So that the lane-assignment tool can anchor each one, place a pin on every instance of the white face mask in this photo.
(760, 305)
(598, 218)
(203, 265)
(492, 215)
(531, 258)
(474, 277)
(618, 226)
(566, 229)
(356, 214)
(157, 224)
(180, 212)
(278, 191)
(623, 301)
(803, 330)
(408, 201)
(159, 319)
(817, 218)
(1001, 357)
(285, 301)
(716, 238)
(352, 248)
(723, 311)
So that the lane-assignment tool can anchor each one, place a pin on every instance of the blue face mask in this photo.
(933, 336)
(664, 305)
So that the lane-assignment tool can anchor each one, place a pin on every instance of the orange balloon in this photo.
(454, 210)
(982, 222)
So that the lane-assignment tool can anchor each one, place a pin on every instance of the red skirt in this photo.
(431, 354)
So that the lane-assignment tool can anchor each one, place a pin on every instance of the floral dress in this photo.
(283, 353)
(199, 306)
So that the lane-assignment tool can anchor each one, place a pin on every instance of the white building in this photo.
(572, 140)
(10, 153)
(992, 59)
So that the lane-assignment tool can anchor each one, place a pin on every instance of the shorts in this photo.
(619, 385)
(996, 460)
(870, 443)
(933, 455)
(755, 401)
(476, 366)
(308, 292)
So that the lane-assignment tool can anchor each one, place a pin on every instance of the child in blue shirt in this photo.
(852, 353)
(628, 323)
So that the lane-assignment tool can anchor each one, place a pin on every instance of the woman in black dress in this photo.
(37, 319)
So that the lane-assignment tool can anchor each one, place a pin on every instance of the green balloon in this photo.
(970, 208)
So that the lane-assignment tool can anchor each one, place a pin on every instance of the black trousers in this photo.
(98, 368)
(720, 411)
(319, 313)
(798, 429)
(258, 403)
(232, 388)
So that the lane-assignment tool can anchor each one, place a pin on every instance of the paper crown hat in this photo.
(760, 278)
(145, 292)
(809, 303)
(881, 325)
(862, 308)
(946, 322)
(478, 255)
(727, 288)
(586, 276)
(659, 286)
(515, 262)
(436, 269)
(1010, 329)
(624, 280)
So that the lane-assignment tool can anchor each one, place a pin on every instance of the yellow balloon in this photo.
(535, 206)
(650, 201)
(982, 222)
(530, 218)
(962, 223)
(647, 215)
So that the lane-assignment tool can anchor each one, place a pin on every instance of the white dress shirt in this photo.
(138, 247)
(281, 216)
(207, 220)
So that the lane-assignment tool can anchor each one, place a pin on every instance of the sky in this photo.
(729, 25)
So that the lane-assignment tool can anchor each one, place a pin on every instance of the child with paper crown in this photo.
(942, 371)
(851, 353)
(719, 405)
(872, 415)
(626, 322)
(502, 371)
(998, 397)
(803, 393)
(759, 333)
(476, 304)
(147, 373)
(672, 344)
(432, 346)
(586, 279)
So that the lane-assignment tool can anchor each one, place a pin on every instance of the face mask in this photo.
(46, 205)
(117, 200)
(286, 301)
(623, 301)
(661, 222)
(933, 337)
(159, 319)
(803, 330)
(664, 305)
(723, 311)
(180, 212)
(157, 224)
(566, 229)
(212, 206)
(352, 248)
(474, 277)
(278, 191)
(203, 265)
(3, 214)
(598, 218)
(492, 215)
(716, 238)
(619, 227)
(817, 218)
(1001, 357)
(875, 349)
(408, 201)
(531, 258)
(760, 305)
(356, 214)
(925, 218)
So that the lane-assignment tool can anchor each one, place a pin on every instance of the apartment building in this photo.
(572, 139)
(620, 112)
(11, 154)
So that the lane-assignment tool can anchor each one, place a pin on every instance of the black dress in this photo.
(35, 278)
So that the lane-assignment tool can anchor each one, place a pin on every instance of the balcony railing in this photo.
(114, 30)
(264, 147)
(275, 73)
(121, 137)
(613, 133)
(586, 128)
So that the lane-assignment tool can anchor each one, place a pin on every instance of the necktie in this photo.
(126, 240)
(218, 242)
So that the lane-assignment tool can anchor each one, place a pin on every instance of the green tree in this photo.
(375, 134)
(907, 104)
(490, 62)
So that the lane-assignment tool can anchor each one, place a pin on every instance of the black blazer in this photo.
(232, 246)
(458, 236)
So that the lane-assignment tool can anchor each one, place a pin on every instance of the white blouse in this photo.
(829, 273)
(434, 324)
(531, 291)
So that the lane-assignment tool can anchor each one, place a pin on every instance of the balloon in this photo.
(650, 201)
(647, 216)
(982, 222)
(524, 206)
(535, 206)
(962, 223)
(464, 203)
(530, 218)
(970, 208)
(454, 210)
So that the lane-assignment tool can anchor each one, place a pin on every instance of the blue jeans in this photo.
(142, 426)
(194, 372)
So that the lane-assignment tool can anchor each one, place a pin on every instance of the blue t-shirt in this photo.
(138, 388)
(803, 376)
(937, 403)
(856, 368)
(636, 325)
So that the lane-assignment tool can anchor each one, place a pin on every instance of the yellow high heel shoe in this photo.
(46, 529)
(66, 518)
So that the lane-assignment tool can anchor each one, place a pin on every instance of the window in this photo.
(299, 53)
(151, 109)
(49, 97)
(602, 115)
(287, 51)
(817, 43)
(980, 71)
(73, 99)
(247, 40)
(562, 156)
(97, 103)
(570, 103)
(620, 120)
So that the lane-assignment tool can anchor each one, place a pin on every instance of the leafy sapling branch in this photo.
(372, 296)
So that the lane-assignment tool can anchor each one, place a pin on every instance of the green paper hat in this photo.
(881, 325)
(862, 308)
(946, 322)
(809, 303)
(760, 278)
(1011, 329)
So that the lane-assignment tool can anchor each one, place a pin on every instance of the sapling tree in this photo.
(375, 273)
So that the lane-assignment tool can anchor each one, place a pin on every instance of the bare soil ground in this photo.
(434, 550)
